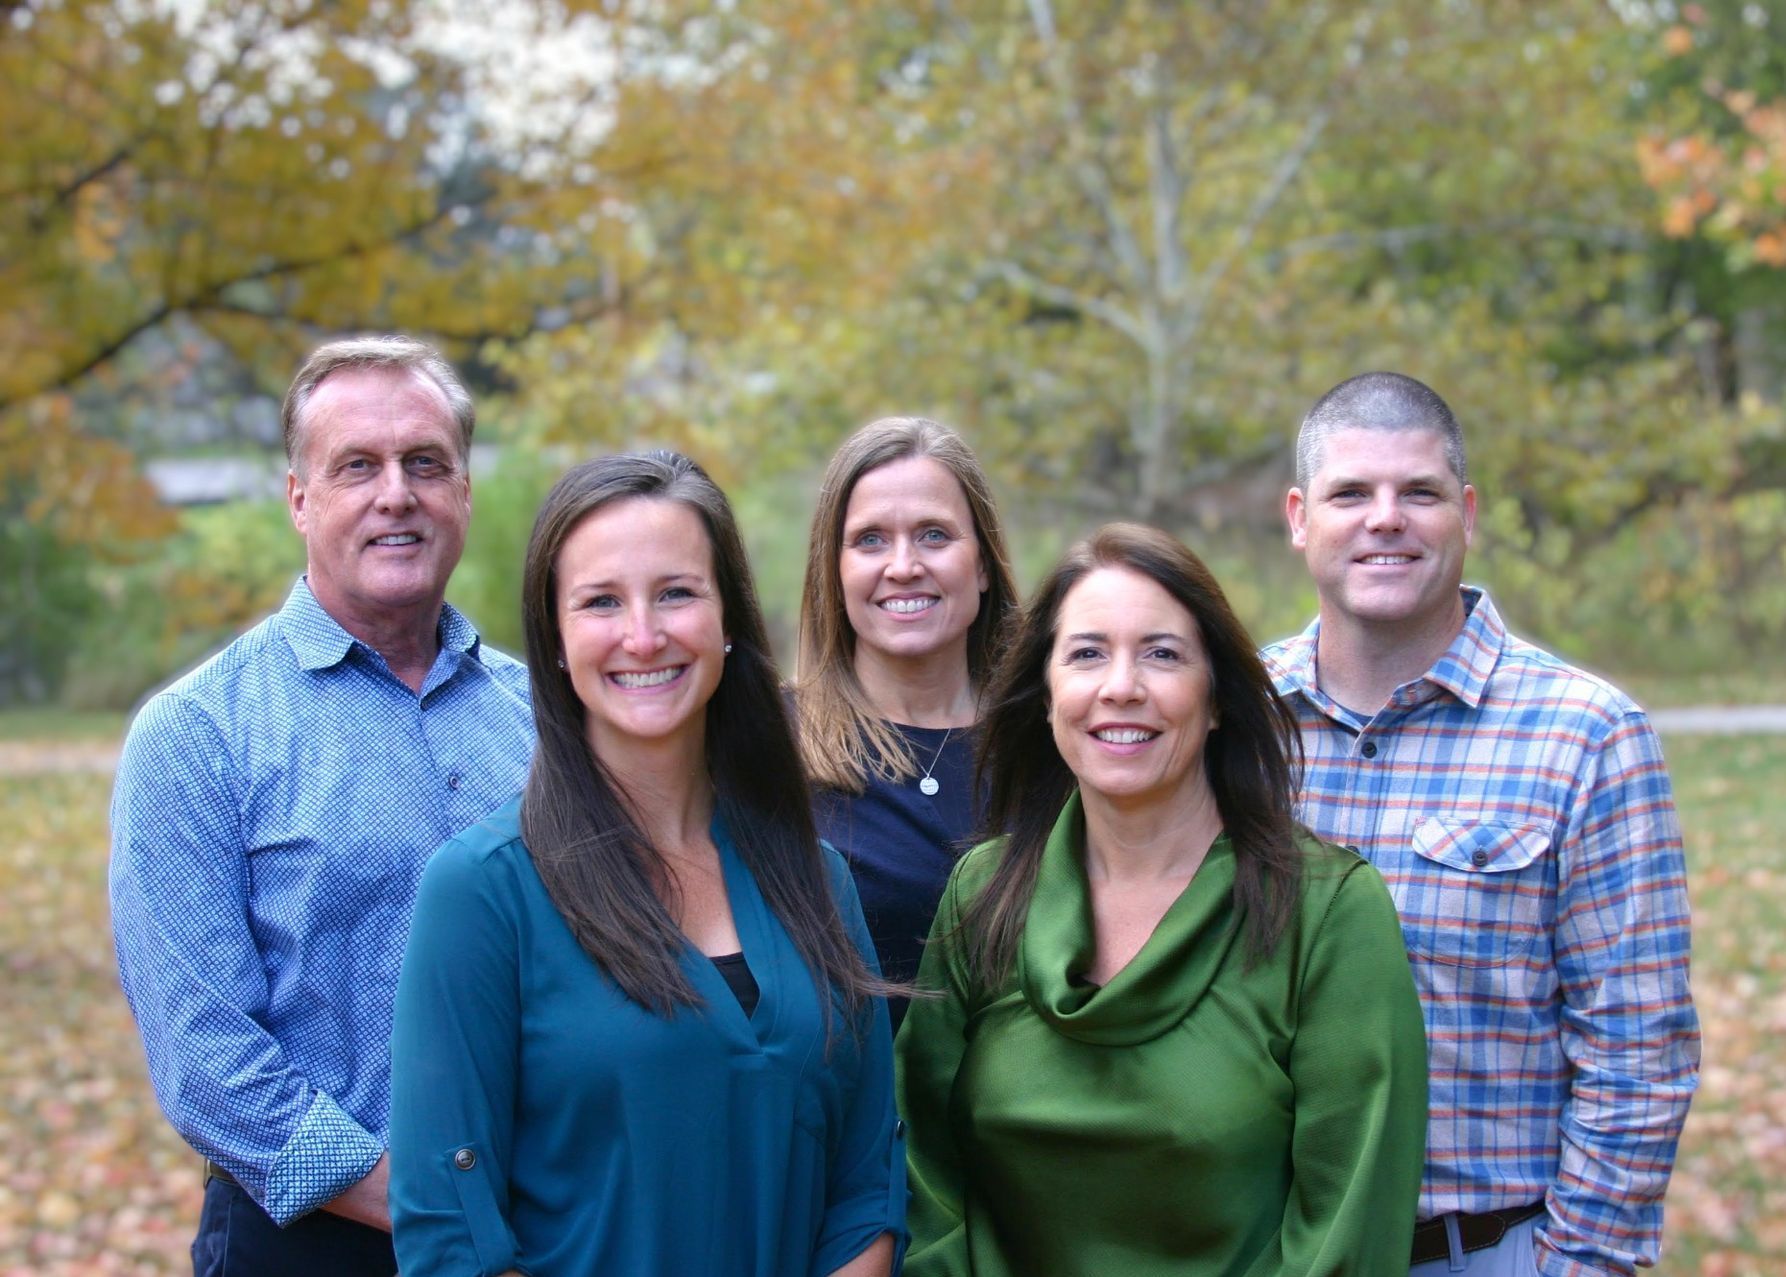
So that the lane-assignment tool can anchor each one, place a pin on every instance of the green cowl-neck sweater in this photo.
(1192, 1116)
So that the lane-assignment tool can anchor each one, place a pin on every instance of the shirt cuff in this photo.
(328, 1154)
(1553, 1263)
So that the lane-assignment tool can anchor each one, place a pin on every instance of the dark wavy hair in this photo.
(600, 870)
(1252, 760)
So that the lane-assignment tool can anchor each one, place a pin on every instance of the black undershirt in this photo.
(736, 972)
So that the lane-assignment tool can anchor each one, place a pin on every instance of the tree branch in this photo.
(1086, 167)
(1288, 166)
(1032, 285)
(212, 292)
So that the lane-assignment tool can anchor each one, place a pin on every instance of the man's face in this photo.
(1384, 525)
(380, 494)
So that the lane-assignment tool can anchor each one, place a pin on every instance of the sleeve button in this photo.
(465, 1159)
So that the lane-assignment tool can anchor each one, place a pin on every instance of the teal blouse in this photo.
(1193, 1116)
(542, 1121)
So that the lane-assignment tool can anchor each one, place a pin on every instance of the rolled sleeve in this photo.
(193, 976)
(1628, 1025)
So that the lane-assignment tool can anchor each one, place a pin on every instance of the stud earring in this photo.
(561, 664)
(728, 649)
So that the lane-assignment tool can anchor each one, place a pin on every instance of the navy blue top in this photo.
(901, 844)
(541, 1120)
(272, 815)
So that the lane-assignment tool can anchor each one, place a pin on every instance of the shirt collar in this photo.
(1462, 670)
(319, 642)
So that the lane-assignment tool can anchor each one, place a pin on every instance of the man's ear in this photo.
(1469, 515)
(1296, 515)
(294, 499)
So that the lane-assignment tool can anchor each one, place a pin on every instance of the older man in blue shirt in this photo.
(274, 809)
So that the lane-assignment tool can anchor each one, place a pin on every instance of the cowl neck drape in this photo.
(1160, 985)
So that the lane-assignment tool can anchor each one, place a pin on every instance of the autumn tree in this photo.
(262, 173)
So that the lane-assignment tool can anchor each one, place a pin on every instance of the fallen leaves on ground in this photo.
(96, 1183)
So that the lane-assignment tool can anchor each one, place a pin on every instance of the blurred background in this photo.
(1121, 245)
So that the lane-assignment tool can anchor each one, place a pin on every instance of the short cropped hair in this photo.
(386, 351)
(1377, 401)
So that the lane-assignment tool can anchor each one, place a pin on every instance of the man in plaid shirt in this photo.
(1521, 813)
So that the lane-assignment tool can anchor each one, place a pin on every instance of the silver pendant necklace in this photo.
(929, 785)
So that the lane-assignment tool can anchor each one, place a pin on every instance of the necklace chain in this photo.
(929, 785)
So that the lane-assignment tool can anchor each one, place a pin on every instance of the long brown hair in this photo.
(600, 870)
(842, 737)
(1252, 759)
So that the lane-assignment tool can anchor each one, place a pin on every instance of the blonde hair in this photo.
(842, 738)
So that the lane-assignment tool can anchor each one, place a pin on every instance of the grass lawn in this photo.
(96, 1182)
(61, 726)
(1727, 1203)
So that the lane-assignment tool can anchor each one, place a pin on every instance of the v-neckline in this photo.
(756, 942)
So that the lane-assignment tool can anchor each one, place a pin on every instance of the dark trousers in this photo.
(236, 1238)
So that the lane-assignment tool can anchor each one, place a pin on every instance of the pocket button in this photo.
(1479, 857)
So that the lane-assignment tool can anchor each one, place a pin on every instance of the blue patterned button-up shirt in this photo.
(273, 812)
(1521, 813)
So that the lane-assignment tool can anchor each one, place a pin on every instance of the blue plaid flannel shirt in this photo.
(271, 817)
(1521, 813)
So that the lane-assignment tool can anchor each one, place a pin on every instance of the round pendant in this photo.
(928, 786)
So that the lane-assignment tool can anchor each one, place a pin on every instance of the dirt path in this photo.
(36, 757)
(1721, 720)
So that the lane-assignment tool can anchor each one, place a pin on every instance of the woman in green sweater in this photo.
(1171, 1032)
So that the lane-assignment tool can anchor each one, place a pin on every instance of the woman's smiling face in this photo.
(910, 565)
(1130, 689)
(640, 622)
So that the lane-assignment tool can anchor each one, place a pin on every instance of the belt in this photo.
(214, 1171)
(1477, 1232)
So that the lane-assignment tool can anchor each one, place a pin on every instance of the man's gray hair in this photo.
(389, 351)
(1377, 401)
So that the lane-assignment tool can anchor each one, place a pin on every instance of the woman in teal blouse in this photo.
(637, 1029)
(1172, 1033)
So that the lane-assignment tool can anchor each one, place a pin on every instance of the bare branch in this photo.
(1166, 190)
(1288, 166)
(1032, 285)
(1086, 166)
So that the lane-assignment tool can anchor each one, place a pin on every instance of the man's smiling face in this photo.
(380, 494)
(1384, 525)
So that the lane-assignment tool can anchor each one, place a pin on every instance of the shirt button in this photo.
(1479, 857)
(465, 1159)
(455, 780)
(898, 1128)
(1368, 749)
